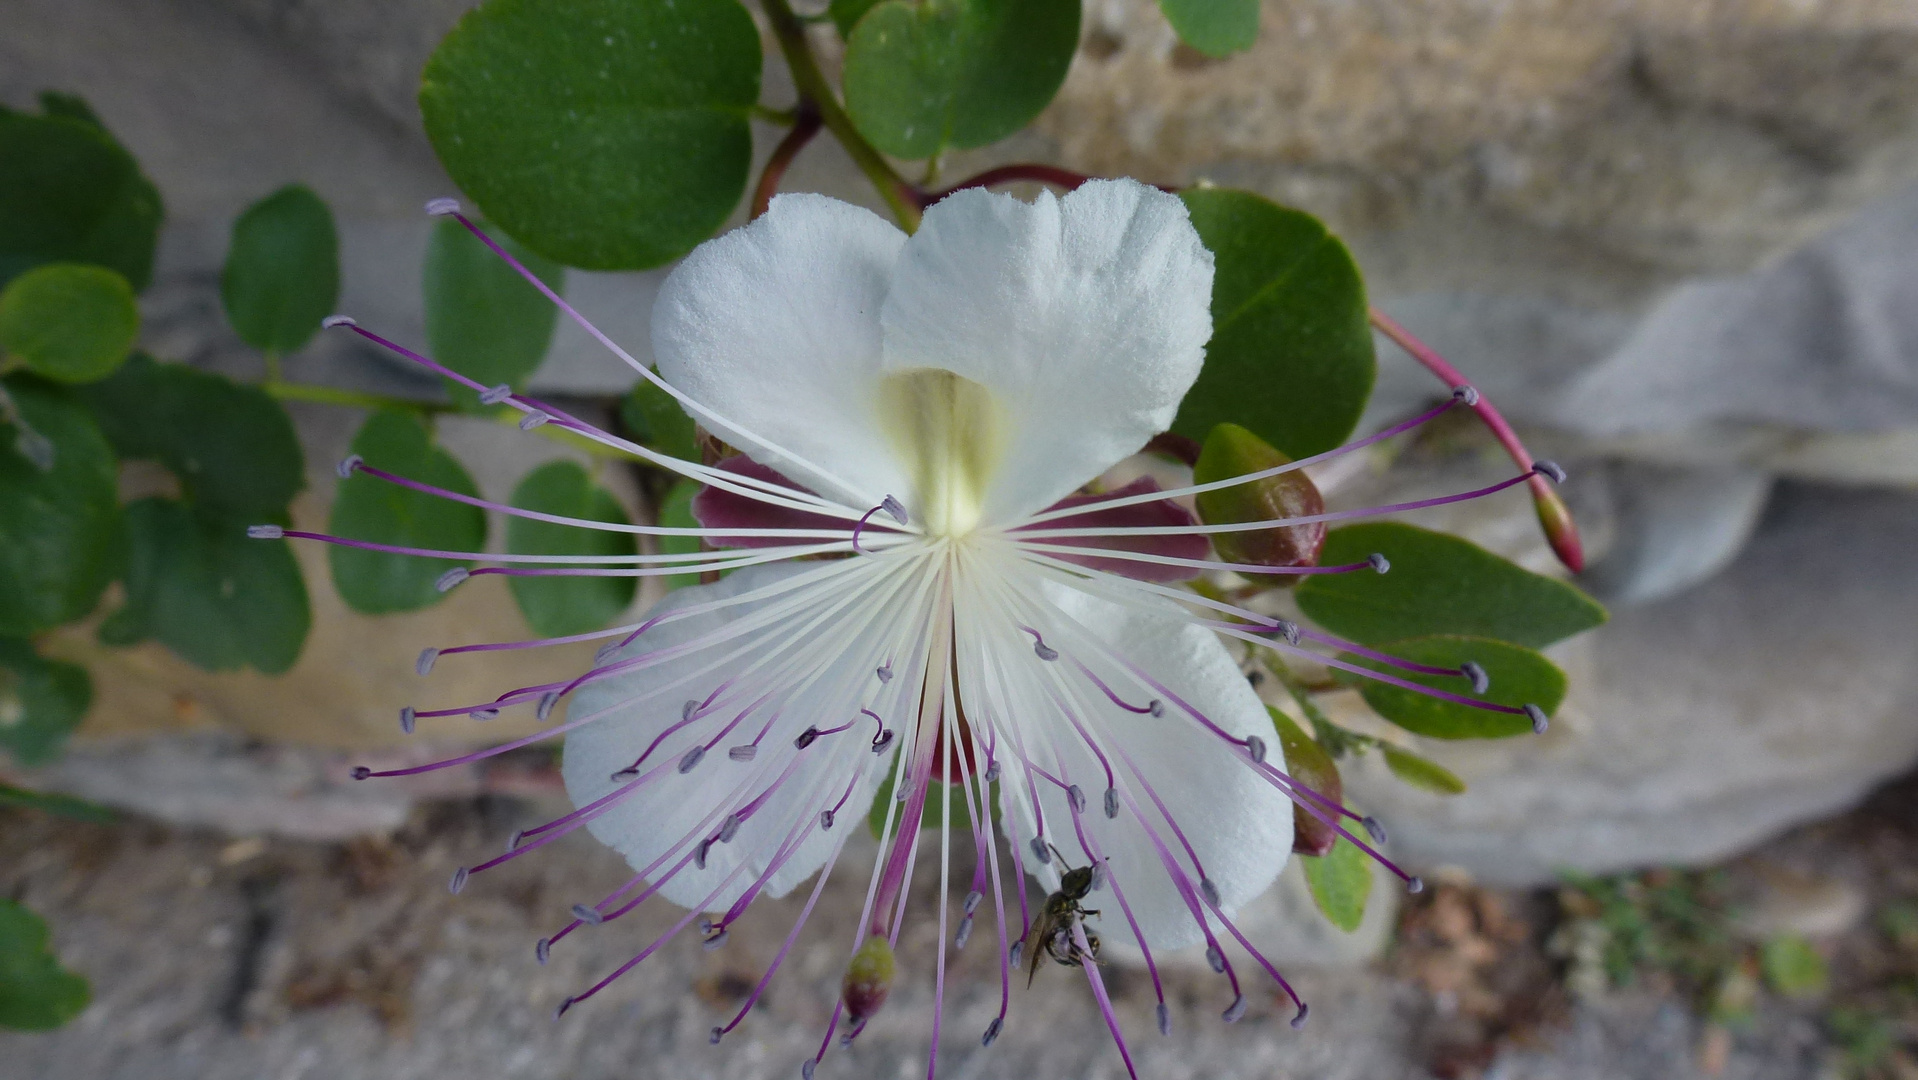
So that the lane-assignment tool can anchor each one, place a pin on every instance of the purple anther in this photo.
(349, 465)
(1016, 953)
(1040, 851)
(992, 1030)
(1550, 470)
(699, 853)
(715, 941)
(1210, 891)
(1112, 802)
(625, 774)
(691, 759)
(496, 395)
(1374, 829)
(588, 914)
(1378, 562)
(963, 934)
(901, 793)
(458, 881)
(1255, 748)
(332, 321)
(992, 772)
(973, 900)
(1155, 707)
(542, 951)
(533, 419)
(408, 719)
(730, 828)
(1539, 720)
(1465, 395)
(484, 715)
(825, 819)
(265, 532)
(1415, 885)
(442, 207)
(361, 772)
(1165, 1019)
(1216, 958)
(1298, 1022)
(1234, 1011)
(687, 710)
(605, 653)
(546, 702)
(1044, 651)
(451, 579)
(806, 738)
(806, 1068)
(882, 740)
(561, 1010)
(1475, 671)
(512, 842)
(1077, 798)
(894, 509)
(744, 752)
(424, 665)
(884, 673)
(717, 1033)
(1288, 630)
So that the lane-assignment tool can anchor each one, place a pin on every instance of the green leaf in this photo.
(71, 106)
(482, 319)
(1291, 350)
(654, 419)
(955, 73)
(1792, 967)
(1341, 882)
(1438, 584)
(604, 134)
(1308, 763)
(50, 802)
(70, 193)
(847, 13)
(69, 321)
(676, 512)
(557, 606)
(368, 508)
(41, 702)
(231, 446)
(282, 273)
(60, 529)
(1420, 772)
(206, 590)
(36, 993)
(1519, 677)
(1214, 27)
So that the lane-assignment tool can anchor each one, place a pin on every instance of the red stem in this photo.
(1553, 515)
(806, 124)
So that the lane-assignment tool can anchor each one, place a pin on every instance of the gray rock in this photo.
(1674, 527)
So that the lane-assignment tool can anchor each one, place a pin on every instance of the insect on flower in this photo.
(923, 587)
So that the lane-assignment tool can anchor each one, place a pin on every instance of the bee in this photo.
(1051, 933)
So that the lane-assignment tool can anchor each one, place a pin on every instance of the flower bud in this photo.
(1310, 766)
(1233, 451)
(1560, 530)
(868, 979)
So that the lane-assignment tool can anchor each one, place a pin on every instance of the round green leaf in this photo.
(1291, 351)
(36, 993)
(368, 508)
(606, 134)
(70, 193)
(676, 512)
(59, 511)
(282, 273)
(1341, 882)
(1519, 677)
(231, 446)
(41, 702)
(955, 73)
(1214, 27)
(1438, 584)
(206, 590)
(654, 419)
(556, 606)
(846, 14)
(482, 319)
(69, 321)
(1421, 772)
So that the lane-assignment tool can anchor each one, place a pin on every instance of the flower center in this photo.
(950, 432)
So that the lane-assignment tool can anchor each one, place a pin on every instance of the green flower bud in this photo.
(868, 979)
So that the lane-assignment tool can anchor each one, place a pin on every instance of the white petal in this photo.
(775, 327)
(665, 811)
(1239, 824)
(1086, 316)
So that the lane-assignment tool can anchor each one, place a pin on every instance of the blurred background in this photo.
(1676, 240)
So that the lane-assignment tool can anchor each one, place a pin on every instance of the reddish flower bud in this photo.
(1233, 451)
(868, 979)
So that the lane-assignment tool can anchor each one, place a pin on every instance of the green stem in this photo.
(901, 197)
(782, 117)
(1334, 738)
